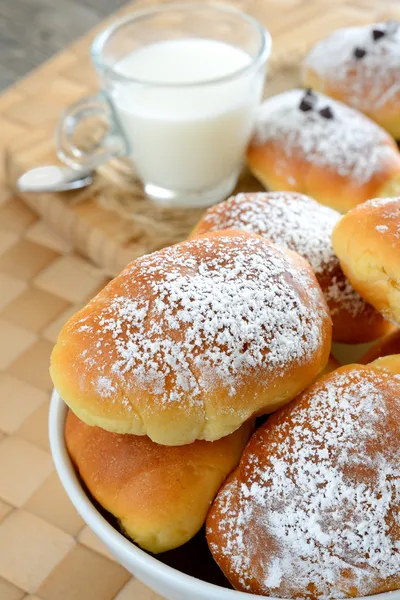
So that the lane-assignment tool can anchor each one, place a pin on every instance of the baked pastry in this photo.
(300, 223)
(367, 243)
(312, 510)
(306, 142)
(160, 495)
(331, 365)
(191, 341)
(390, 344)
(361, 67)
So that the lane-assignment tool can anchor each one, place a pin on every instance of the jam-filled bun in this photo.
(190, 342)
(298, 222)
(312, 511)
(361, 67)
(306, 142)
(159, 495)
(367, 243)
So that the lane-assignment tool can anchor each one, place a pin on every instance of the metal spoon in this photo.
(52, 178)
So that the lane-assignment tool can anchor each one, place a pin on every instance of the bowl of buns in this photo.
(206, 422)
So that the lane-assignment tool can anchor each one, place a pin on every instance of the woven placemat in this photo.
(112, 221)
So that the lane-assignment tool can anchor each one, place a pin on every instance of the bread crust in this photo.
(389, 344)
(312, 509)
(190, 342)
(160, 495)
(341, 162)
(369, 84)
(367, 243)
(298, 222)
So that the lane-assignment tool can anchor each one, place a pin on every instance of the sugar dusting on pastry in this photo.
(320, 493)
(382, 228)
(297, 222)
(375, 202)
(349, 144)
(204, 318)
(389, 214)
(373, 80)
(293, 220)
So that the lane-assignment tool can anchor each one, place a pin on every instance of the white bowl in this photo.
(169, 582)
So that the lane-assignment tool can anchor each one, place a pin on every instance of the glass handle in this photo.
(88, 134)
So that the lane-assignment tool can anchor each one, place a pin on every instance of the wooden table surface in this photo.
(46, 551)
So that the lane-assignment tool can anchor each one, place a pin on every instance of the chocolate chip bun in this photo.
(361, 67)
(312, 511)
(367, 243)
(191, 341)
(159, 495)
(298, 222)
(309, 143)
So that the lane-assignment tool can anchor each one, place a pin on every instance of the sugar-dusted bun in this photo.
(361, 67)
(390, 344)
(367, 242)
(298, 222)
(312, 510)
(191, 341)
(327, 150)
(160, 495)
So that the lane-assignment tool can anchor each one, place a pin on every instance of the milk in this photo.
(185, 134)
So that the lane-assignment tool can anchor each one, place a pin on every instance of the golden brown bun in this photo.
(340, 161)
(388, 363)
(160, 495)
(298, 222)
(390, 344)
(369, 84)
(312, 510)
(191, 341)
(367, 243)
(331, 365)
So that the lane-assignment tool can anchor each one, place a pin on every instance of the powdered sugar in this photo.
(388, 210)
(369, 83)
(104, 386)
(341, 293)
(348, 144)
(315, 503)
(292, 220)
(299, 223)
(203, 314)
(376, 202)
(275, 575)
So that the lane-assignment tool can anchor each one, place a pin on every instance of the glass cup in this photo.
(180, 85)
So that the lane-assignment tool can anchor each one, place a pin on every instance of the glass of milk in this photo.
(180, 85)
